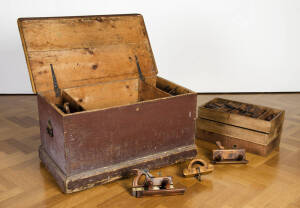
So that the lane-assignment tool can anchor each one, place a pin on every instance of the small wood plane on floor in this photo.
(145, 184)
(232, 156)
(197, 167)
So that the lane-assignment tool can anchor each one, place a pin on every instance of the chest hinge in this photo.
(139, 69)
(56, 88)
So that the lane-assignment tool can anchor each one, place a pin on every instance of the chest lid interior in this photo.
(85, 50)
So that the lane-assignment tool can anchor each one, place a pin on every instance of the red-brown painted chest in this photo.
(102, 108)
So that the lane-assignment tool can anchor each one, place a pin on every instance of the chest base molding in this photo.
(91, 178)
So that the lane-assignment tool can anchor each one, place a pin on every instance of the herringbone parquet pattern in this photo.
(272, 182)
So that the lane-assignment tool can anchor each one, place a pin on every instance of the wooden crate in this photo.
(109, 112)
(253, 127)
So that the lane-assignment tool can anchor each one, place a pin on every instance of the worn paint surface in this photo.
(101, 143)
(54, 146)
(100, 138)
(95, 147)
(88, 179)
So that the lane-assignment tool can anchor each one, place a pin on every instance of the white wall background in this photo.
(205, 45)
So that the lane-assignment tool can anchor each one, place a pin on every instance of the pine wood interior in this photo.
(111, 94)
(170, 87)
(98, 61)
(85, 50)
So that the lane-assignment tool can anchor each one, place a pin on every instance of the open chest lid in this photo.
(85, 50)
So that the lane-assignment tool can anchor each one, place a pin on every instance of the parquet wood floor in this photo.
(272, 182)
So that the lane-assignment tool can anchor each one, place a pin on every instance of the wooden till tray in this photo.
(240, 123)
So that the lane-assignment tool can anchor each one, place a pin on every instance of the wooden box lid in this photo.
(85, 50)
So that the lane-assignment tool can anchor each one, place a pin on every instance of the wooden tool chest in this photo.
(102, 108)
(255, 128)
